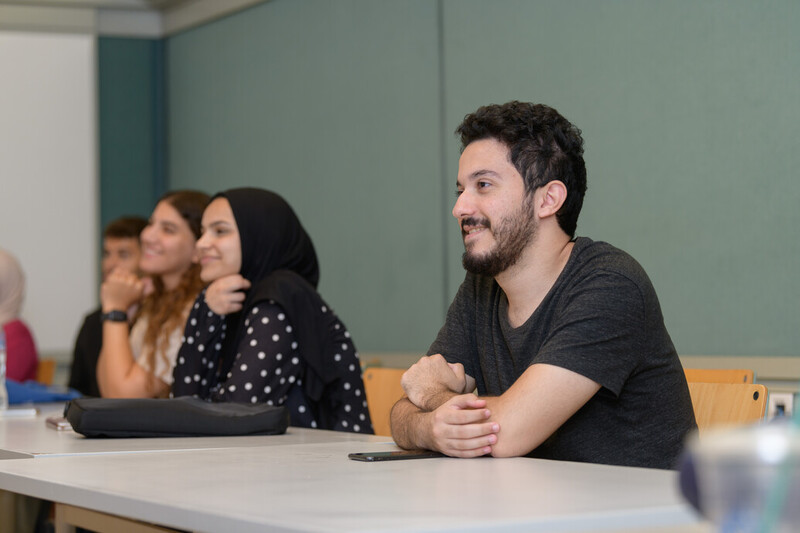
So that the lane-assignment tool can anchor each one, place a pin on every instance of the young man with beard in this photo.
(562, 336)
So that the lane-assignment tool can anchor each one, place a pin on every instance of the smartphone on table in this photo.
(59, 423)
(394, 456)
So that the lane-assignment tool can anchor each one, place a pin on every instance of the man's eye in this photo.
(458, 192)
(483, 184)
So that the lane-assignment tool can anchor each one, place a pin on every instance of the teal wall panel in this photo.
(691, 119)
(347, 108)
(334, 105)
(131, 115)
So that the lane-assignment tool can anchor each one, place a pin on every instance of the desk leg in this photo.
(69, 517)
(18, 512)
(62, 524)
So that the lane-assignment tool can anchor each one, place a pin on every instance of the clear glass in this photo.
(3, 390)
(749, 478)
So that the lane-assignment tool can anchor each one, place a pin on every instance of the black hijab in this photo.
(271, 235)
(279, 260)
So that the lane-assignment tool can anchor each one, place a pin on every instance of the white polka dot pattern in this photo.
(261, 373)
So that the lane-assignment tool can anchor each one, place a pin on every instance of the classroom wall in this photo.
(691, 120)
(334, 105)
(132, 150)
(347, 108)
(48, 177)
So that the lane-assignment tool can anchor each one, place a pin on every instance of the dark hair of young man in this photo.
(543, 146)
(125, 228)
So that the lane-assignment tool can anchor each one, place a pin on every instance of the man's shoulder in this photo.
(17, 328)
(600, 266)
(94, 316)
(597, 256)
(92, 321)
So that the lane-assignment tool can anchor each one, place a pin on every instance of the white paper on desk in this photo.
(19, 412)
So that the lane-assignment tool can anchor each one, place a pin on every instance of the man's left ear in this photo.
(552, 197)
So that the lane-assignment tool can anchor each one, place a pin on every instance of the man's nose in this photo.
(464, 206)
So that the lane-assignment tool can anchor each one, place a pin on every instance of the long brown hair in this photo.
(166, 309)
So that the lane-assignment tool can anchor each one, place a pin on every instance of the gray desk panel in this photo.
(314, 487)
(31, 438)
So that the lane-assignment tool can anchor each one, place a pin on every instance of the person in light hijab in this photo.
(21, 356)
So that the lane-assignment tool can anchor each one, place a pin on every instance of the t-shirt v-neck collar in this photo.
(511, 333)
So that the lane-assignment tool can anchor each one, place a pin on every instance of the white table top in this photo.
(31, 438)
(315, 487)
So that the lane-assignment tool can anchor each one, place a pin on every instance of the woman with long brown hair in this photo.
(143, 318)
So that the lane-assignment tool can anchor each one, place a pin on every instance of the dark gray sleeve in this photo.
(456, 339)
(599, 331)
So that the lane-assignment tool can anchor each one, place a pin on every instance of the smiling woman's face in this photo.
(219, 249)
(167, 244)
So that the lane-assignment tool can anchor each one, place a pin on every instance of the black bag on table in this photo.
(174, 417)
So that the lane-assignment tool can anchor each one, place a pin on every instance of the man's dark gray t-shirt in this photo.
(601, 319)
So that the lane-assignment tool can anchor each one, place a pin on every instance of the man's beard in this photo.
(512, 236)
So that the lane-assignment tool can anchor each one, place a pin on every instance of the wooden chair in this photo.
(721, 404)
(382, 387)
(719, 375)
(46, 371)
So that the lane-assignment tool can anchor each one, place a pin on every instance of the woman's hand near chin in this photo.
(148, 286)
(120, 291)
(226, 294)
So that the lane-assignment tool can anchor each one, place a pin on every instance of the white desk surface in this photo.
(31, 438)
(314, 487)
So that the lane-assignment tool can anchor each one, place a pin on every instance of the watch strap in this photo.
(114, 316)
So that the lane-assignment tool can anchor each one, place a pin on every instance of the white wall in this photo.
(48, 177)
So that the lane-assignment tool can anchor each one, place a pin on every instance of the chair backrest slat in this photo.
(383, 389)
(46, 371)
(721, 404)
(719, 375)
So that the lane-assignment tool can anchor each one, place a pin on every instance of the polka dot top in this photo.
(268, 366)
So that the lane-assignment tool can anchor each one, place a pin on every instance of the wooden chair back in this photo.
(726, 404)
(46, 371)
(383, 389)
(719, 375)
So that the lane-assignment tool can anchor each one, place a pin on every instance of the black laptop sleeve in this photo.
(174, 417)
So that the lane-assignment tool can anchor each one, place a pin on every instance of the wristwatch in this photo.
(114, 316)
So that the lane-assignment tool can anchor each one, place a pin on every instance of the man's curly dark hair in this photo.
(543, 146)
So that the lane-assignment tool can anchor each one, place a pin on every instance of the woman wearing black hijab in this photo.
(260, 332)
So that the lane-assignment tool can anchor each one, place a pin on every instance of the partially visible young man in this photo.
(563, 336)
(121, 250)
